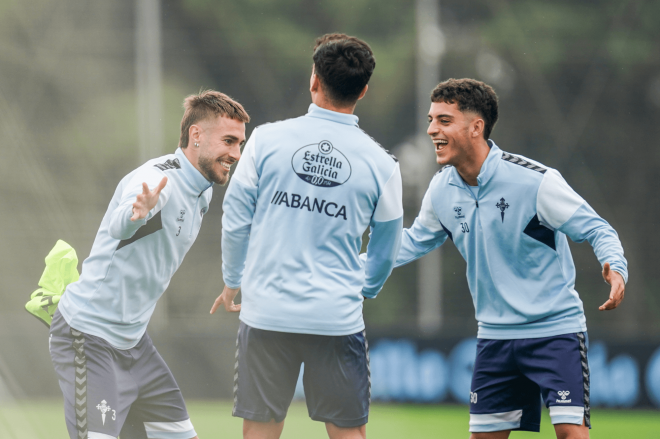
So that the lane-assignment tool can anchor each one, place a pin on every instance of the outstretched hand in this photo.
(147, 200)
(618, 288)
(227, 299)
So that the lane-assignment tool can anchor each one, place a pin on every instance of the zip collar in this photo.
(322, 113)
(487, 168)
(195, 178)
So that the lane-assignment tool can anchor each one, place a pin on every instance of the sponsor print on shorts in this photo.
(321, 164)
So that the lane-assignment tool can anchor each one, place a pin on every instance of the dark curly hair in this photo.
(344, 65)
(471, 96)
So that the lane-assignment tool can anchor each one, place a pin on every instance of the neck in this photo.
(321, 100)
(470, 168)
(192, 154)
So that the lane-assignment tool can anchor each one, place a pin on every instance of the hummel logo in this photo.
(502, 205)
(473, 397)
(459, 211)
(563, 394)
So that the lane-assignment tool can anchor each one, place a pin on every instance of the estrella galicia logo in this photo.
(459, 213)
(502, 205)
(321, 164)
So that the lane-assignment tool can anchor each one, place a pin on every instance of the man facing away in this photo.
(113, 380)
(294, 215)
(509, 218)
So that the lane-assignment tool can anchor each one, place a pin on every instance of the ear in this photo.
(477, 127)
(194, 133)
(314, 82)
(364, 92)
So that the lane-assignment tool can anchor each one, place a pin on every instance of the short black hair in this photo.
(344, 64)
(471, 96)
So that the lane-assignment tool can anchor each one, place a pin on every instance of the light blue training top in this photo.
(513, 237)
(303, 194)
(131, 263)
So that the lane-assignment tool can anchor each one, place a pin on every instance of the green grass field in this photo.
(212, 419)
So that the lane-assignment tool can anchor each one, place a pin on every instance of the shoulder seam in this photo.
(396, 160)
(278, 121)
(521, 162)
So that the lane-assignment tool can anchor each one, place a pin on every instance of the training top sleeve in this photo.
(121, 226)
(385, 235)
(238, 210)
(559, 207)
(425, 235)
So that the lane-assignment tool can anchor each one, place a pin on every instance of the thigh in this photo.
(559, 366)
(267, 368)
(160, 410)
(501, 397)
(94, 380)
(337, 379)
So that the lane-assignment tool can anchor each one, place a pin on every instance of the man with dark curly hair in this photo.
(302, 196)
(509, 217)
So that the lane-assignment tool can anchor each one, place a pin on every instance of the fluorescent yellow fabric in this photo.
(61, 270)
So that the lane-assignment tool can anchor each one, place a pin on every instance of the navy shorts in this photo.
(109, 392)
(512, 378)
(336, 377)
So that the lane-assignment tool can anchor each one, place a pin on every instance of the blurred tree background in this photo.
(579, 87)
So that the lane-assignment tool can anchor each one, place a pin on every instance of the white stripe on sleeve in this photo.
(390, 206)
(246, 169)
(556, 201)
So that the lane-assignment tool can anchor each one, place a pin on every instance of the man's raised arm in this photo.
(142, 197)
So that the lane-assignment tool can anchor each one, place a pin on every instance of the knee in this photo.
(568, 431)
(335, 432)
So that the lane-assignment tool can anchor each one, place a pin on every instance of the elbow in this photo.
(115, 232)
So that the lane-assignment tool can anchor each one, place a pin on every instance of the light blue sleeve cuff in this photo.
(383, 247)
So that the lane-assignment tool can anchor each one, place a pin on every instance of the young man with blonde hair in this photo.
(114, 381)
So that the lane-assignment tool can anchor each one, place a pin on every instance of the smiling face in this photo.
(452, 133)
(220, 142)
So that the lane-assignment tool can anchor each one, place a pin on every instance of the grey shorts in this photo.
(109, 392)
